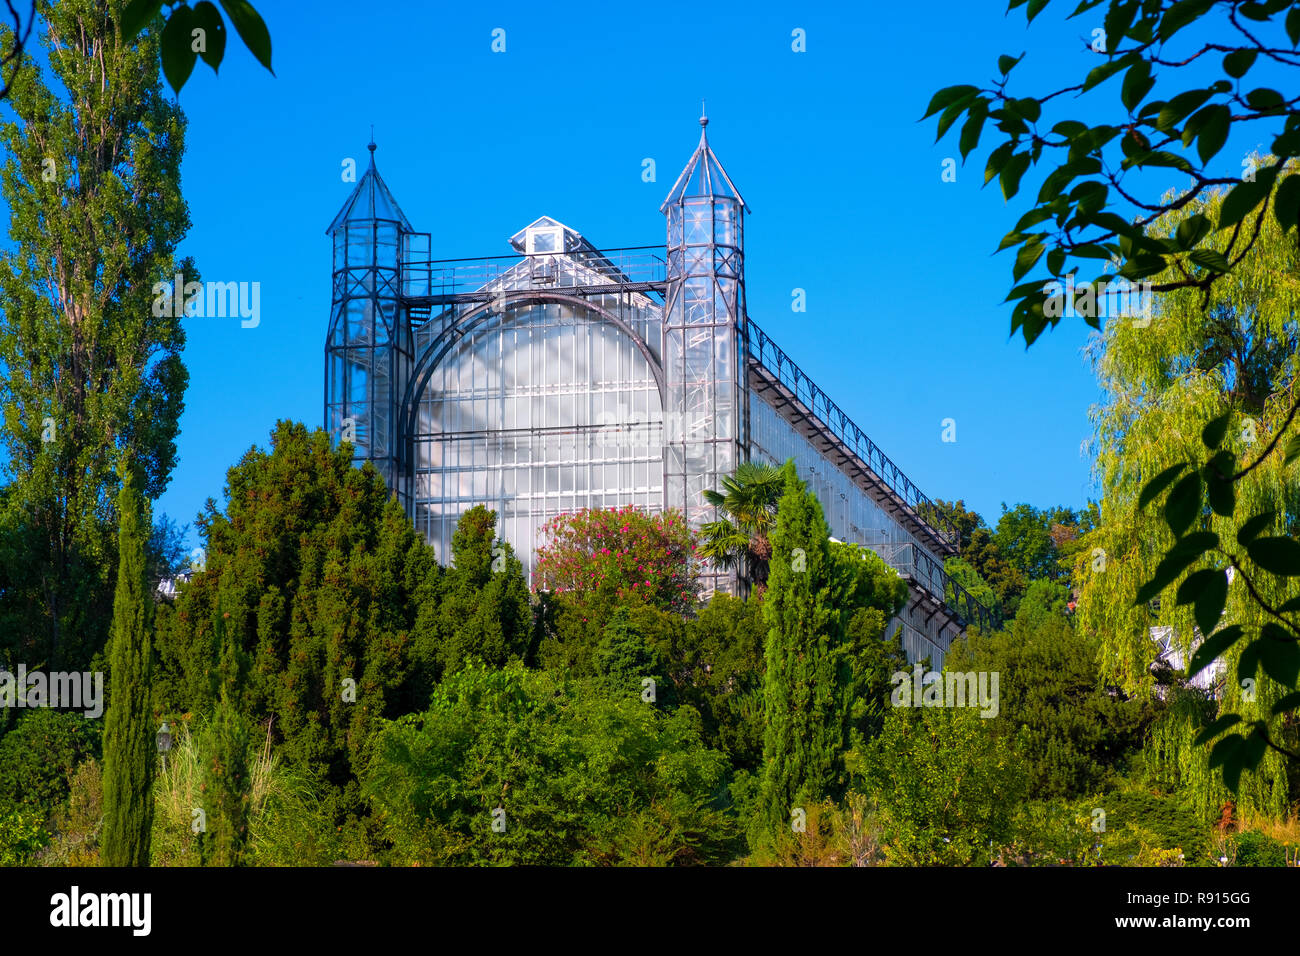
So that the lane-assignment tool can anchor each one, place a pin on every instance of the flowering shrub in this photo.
(620, 555)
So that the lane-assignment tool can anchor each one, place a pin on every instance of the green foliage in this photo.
(624, 659)
(129, 742)
(808, 672)
(1072, 733)
(1259, 849)
(947, 785)
(578, 776)
(598, 558)
(22, 835)
(717, 665)
(963, 573)
(485, 611)
(1178, 514)
(747, 504)
(181, 46)
(39, 753)
(324, 581)
(92, 185)
(1090, 206)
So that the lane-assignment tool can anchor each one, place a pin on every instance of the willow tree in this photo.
(91, 374)
(1163, 377)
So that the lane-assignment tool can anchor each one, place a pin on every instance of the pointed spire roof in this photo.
(370, 200)
(703, 175)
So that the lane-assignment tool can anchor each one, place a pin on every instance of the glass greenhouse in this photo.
(564, 377)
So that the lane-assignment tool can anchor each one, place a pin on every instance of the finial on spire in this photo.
(704, 115)
(371, 145)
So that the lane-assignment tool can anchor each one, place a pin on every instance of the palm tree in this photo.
(747, 509)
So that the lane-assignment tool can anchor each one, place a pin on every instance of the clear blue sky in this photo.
(904, 325)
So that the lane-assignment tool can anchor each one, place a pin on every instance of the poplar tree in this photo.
(128, 725)
(91, 182)
(807, 668)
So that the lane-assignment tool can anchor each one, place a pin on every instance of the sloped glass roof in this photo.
(703, 175)
(370, 200)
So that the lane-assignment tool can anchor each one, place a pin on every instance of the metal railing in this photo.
(915, 562)
(769, 355)
(639, 267)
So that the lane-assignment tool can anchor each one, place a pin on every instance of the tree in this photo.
(128, 725)
(1159, 384)
(225, 766)
(946, 785)
(1072, 732)
(485, 611)
(324, 580)
(748, 502)
(624, 659)
(807, 671)
(600, 558)
(94, 374)
(1203, 240)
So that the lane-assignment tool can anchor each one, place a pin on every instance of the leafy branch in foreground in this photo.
(1074, 217)
(1193, 488)
(198, 31)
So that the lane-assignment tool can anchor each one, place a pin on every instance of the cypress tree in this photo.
(226, 780)
(128, 726)
(803, 688)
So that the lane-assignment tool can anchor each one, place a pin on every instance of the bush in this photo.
(1259, 849)
(526, 767)
(39, 754)
(602, 558)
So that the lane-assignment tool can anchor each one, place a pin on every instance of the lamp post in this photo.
(164, 743)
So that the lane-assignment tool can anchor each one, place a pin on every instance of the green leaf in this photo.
(1293, 26)
(1213, 131)
(1210, 595)
(1292, 450)
(1286, 203)
(1236, 64)
(1277, 555)
(1245, 196)
(1210, 259)
(208, 19)
(970, 131)
(1225, 749)
(1192, 230)
(1279, 653)
(248, 24)
(1102, 73)
(997, 159)
(1288, 703)
(1216, 727)
(137, 16)
(1180, 14)
(1159, 483)
(1254, 527)
(1172, 113)
(1265, 100)
(1137, 84)
(1011, 173)
(1196, 543)
(1172, 565)
(947, 96)
(1211, 649)
(1006, 62)
(1183, 503)
(1213, 433)
(177, 57)
(1221, 494)
(1028, 255)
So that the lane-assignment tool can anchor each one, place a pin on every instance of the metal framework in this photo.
(564, 376)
